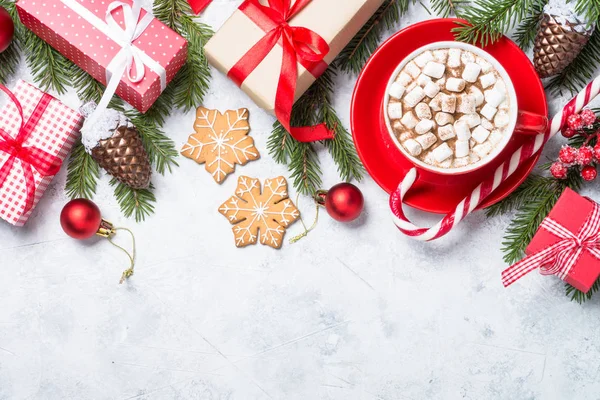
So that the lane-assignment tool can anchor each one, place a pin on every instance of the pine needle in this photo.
(9, 61)
(446, 8)
(136, 202)
(305, 169)
(526, 32)
(82, 174)
(580, 297)
(589, 8)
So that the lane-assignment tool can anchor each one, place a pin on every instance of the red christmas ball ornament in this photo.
(81, 219)
(589, 173)
(585, 155)
(568, 133)
(575, 122)
(567, 154)
(7, 29)
(588, 117)
(344, 202)
(558, 170)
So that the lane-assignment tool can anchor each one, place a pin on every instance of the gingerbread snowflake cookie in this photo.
(255, 213)
(221, 141)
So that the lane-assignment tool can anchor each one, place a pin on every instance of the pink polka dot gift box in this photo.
(110, 39)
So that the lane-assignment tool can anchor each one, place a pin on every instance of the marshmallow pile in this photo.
(449, 107)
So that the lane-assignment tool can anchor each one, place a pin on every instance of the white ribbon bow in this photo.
(129, 57)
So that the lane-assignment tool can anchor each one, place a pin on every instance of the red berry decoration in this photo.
(567, 155)
(575, 122)
(558, 170)
(7, 29)
(568, 133)
(588, 117)
(597, 151)
(589, 173)
(344, 202)
(585, 155)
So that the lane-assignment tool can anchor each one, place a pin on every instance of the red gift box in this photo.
(95, 35)
(36, 134)
(567, 244)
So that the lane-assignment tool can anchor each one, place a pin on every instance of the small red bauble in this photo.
(597, 151)
(80, 218)
(344, 202)
(568, 133)
(589, 173)
(575, 122)
(588, 117)
(567, 155)
(7, 29)
(558, 170)
(585, 155)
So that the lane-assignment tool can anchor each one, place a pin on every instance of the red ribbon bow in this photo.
(299, 45)
(30, 156)
(563, 255)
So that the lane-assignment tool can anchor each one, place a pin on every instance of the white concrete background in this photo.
(351, 312)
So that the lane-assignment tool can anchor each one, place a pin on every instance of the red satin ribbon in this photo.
(299, 45)
(198, 5)
(30, 157)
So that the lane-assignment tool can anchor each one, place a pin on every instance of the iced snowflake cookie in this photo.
(221, 141)
(255, 213)
(448, 107)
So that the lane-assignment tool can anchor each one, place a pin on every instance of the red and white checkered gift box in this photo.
(48, 130)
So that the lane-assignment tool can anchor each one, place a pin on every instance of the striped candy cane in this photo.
(481, 192)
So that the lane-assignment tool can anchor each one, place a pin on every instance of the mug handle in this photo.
(529, 123)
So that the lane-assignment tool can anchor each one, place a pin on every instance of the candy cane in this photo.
(481, 192)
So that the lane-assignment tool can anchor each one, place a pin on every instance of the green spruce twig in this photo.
(589, 8)
(580, 297)
(82, 174)
(134, 202)
(446, 8)
(528, 28)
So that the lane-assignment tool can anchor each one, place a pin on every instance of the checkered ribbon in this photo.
(561, 257)
(30, 157)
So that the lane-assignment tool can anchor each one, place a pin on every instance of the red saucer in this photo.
(382, 159)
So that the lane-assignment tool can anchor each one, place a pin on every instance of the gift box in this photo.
(567, 244)
(250, 32)
(96, 35)
(36, 134)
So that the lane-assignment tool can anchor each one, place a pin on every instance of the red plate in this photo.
(385, 163)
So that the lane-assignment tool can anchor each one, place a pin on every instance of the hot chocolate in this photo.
(449, 107)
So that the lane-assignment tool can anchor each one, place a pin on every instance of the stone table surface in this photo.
(352, 311)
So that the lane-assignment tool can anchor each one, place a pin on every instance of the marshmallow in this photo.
(504, 105)
(446, 132)
(396, 90)
(436, 103)
(423, 80)
(414, 97)
(455, 84)
(447, 163)
(434, 69)
(500, 85)
(413, 70)
(460, 162)
(427, 140)
(454, 58)
(502, 119)
(494, 97)
(431, 89)
(462, 148)
(471, 72)
(422, 59)
(487, 124)
(483, 149)
(412, 147)
(478, 94)
(440, 56)
(473, 158)
(411, 86)
(472, 119)
(443, 118)
(467, 104)
(405, 136)
(488, 111)
(480, 134)
(448, 103)
(442, 152)
(496, 136)
(404, 79)
(395, 110)
(467, 57)
(485, 66)
(424, 126)
(487, 80)
(423, 111)
(463, 132)
(409, 120)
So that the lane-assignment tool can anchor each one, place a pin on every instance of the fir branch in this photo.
(305, 169)
(580, 71)
(360, 48)
(590, 9)
(9, 61)
(446, 8)
(527, 31)
(580, 297)
(281, 144)
(82, 174)
(137, 202)
(488, 20)
(49, 68)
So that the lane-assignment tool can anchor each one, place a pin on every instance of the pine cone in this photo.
(559, 41)
(123, 156)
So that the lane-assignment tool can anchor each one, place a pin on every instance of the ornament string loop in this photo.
(129, 271)
(306, 230)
